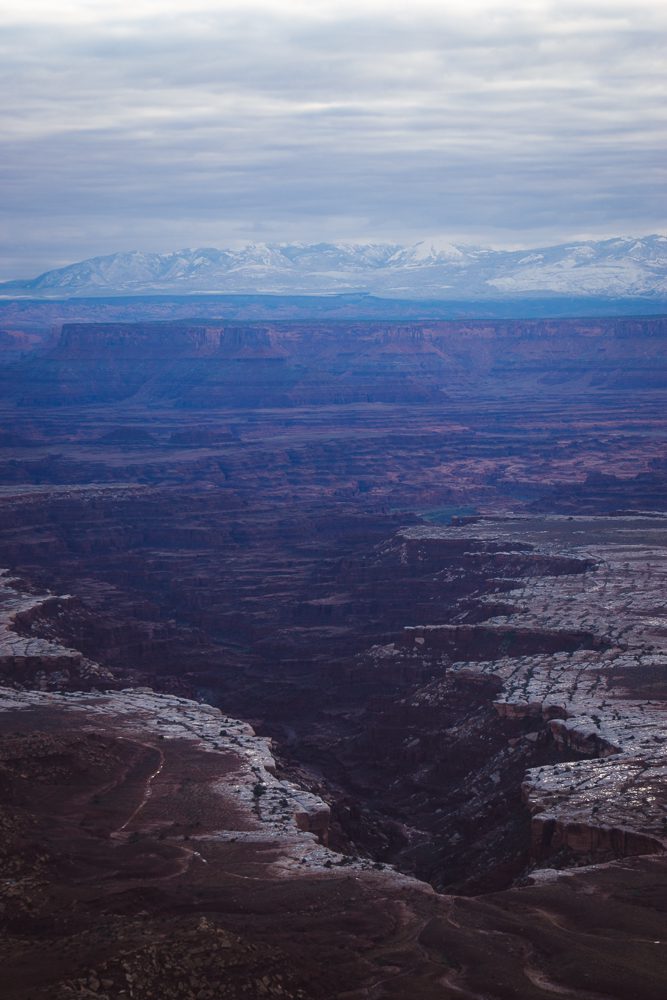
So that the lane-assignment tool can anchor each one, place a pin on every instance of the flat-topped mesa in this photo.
(427, 335)
(587, 693)
(292, 363)
(155, 341)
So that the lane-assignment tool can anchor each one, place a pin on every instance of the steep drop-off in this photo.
(260, 516)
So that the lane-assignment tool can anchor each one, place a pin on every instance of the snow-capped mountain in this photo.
(615, 268)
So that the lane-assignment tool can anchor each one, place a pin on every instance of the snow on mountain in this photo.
(430, 268)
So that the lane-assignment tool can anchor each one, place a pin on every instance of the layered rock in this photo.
(201, 365)
(590, 701)
(31, 660)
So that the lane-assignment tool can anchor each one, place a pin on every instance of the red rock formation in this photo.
(244, 527)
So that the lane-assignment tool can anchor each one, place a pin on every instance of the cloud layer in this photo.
(141, 125)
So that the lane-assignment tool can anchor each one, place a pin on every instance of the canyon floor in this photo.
(333, 661)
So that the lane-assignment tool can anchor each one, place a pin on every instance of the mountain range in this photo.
(614, 268)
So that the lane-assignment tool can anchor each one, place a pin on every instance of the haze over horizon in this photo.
(148, 127)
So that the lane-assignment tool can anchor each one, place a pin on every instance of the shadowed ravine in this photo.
(449, 777)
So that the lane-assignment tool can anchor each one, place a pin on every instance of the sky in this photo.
(156, 125)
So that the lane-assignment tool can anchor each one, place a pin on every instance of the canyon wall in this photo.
(424, 563)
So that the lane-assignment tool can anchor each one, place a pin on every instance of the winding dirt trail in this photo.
(148, 788)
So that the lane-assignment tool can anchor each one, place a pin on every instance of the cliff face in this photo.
(154, 341)
(149, 850)
(287, 364)
(588, 699)
(477, 699)
(507, 659)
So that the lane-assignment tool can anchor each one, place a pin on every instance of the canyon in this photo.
(333, 658)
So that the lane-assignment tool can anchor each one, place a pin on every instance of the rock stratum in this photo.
(344, 680)
(208, 366)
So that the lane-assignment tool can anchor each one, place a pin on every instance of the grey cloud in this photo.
(515, 129)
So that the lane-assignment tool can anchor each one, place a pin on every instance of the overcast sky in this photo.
(156, 125)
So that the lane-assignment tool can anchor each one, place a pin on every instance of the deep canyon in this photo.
(333, 657)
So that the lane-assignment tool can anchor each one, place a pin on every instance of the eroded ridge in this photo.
(35, 660)
(605, 702)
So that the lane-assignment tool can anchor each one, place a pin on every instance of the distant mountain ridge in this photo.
(617, 268)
